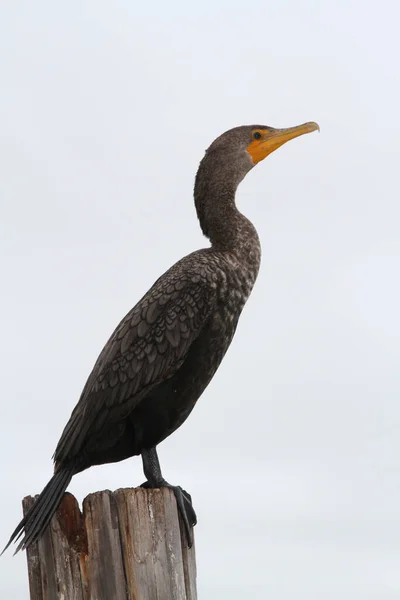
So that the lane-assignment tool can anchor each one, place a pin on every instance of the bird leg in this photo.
(152, 471)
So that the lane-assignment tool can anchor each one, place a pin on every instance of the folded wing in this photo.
(148, 346)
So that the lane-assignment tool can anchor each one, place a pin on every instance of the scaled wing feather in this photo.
(146, 348)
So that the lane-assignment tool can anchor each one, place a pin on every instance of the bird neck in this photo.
(214, 196)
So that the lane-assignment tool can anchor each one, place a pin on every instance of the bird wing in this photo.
(148, 347)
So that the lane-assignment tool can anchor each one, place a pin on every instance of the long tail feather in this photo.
(34, 524)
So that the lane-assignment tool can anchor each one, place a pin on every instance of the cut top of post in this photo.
(127, 544)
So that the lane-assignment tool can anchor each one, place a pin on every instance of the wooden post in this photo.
(127, 545)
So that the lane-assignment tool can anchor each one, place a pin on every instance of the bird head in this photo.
(227, 161)
(244, 147)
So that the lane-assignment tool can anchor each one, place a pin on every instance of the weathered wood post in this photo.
(126, 545)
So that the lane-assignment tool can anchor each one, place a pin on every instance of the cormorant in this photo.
(166, 350)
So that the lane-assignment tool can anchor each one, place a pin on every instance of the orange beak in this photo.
(272, 139)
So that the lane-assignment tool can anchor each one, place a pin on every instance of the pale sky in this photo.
(292, 455)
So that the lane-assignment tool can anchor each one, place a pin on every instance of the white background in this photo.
(292, 455)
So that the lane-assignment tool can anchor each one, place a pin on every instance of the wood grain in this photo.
(127, 545)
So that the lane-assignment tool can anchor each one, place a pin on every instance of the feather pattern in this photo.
(148, 346)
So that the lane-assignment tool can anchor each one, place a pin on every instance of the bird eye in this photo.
(256, 135)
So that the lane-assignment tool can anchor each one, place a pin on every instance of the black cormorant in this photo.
(164, 353)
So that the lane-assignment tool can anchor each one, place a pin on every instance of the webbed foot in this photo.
(184, 504)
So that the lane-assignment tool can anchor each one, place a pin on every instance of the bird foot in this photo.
(184, 504)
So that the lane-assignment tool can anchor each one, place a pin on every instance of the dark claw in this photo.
(184, 505)
(186, 511)
(188, 497)
(146, 485)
